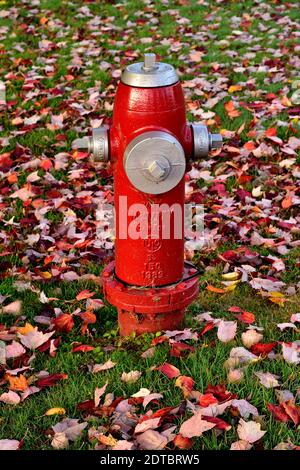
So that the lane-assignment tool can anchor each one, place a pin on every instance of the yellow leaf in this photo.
(276, 294)
(230, 288)
(234, 88)
(107, 440)
(278, 300)
(24, 330)
(45, 274)
(55, 411)
(231, 276)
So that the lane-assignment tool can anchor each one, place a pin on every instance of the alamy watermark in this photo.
(150, 221)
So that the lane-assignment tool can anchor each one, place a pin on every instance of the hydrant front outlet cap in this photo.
(154, 162)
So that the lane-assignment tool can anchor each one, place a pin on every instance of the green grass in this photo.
(205, 365)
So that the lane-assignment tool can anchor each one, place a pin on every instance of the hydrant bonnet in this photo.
(149, 74)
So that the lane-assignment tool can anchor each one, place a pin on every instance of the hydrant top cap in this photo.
(149, 74)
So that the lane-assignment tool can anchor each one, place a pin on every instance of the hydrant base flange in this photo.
(150, 309)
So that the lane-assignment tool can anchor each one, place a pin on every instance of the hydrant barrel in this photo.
(158, 259)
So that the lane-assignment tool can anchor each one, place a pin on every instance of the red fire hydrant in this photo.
(148, 146)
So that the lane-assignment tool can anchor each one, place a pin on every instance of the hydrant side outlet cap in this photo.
(149, 74)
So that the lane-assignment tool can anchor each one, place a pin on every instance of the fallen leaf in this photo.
(60, 441)
(33, 339)
(82, 348)
(64, 323)
(24, 194)
(151, 397)
(18, 383)
(101, 367)
(283, 326)
(267, 379)
(245, 408)
(246, 317)
(217, 290)
(295, 318)
(226, 331)
(14, 308)
(10, 398)
(251, 337)
(234, 88)
(9, 444)
(250, 431)
(207, 399)
(14, 350)
(88, 318)
(182, 443)
(147, 424)
(51, 380)
(55, 411)
(24, 330)
(235, 375)
(148, 353)
(292, 411)
(240, 445)
(195, 426)
(243, 355)
(98, 394)
(131, 376)
(177, 349)
(169, 370)
(70, 427)
(151, 440)
(231, 110)
(84, 294)
(262, 349)
(291, 353)
(278, 412)
(143, 392)
(185, 384)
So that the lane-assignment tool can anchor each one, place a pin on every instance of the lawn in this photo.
(60, 62)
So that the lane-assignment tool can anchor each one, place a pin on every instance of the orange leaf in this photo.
(249, 145)
(217, 290)
(231, 110)
(207, 399)
(64, 323)
(234, 88)
(12, 178)
(46, 164)
(87, 318)
(286, 202)
(186, 384)
(18, 384)
(24, 330)
(271, 132)
(84, 294)
(182, 442)
(43, 20)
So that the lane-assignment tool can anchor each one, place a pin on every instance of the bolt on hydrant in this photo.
(149, 145)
